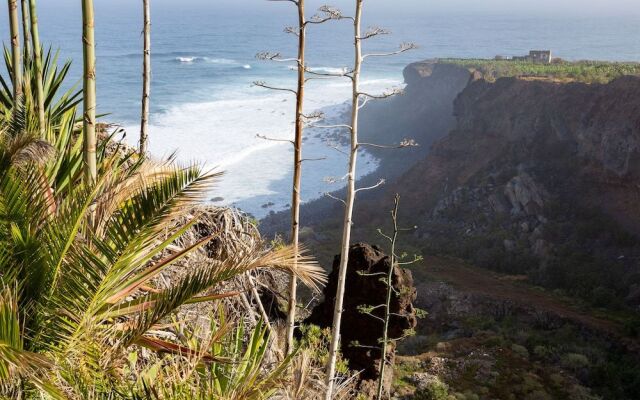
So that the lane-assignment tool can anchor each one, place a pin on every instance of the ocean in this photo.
(203, 103)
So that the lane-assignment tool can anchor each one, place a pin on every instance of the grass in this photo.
(580, 71)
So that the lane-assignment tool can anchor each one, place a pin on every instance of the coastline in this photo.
(258, 171)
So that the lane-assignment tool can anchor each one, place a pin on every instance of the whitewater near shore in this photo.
(230, 134)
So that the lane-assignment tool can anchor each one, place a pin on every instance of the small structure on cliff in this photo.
(536, 56)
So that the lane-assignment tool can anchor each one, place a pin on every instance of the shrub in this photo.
(469, 395)
(542, 351)
(575, 361)
(434, 390)
(316, 340)
(520, 350)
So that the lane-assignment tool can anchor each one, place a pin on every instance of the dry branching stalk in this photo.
(326, 14)
(359, 99)
(146, 78)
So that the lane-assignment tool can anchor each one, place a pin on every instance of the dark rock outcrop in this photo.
(364, 329)
(538, 177)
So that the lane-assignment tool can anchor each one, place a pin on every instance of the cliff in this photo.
(533, 177)
(538, 178)
(423, 113)
(524, 176)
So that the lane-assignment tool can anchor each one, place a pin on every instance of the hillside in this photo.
(523, 176)
(537, 178)
(532, 177)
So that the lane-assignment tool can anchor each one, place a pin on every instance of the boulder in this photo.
(365, 329)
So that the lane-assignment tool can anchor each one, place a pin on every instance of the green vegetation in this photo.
(315, 341)
(92, 304)
(511, 358)
(434, 390)
(581, 71)
(76, 297)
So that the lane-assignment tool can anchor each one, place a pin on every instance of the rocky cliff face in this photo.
(537, 177)
(423, 113)
(524, 176)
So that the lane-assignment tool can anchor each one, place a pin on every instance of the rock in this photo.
(541, 248)
(537, 233)
(509, 245)
(499, 203)
(361, 328)
(524, 194)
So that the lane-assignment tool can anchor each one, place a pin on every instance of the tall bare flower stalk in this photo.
(327, 14)
(26, 29)
(297, 171)
(37, 57)
(89, 85)
(146, 78)
(348, 209)
(384, 342)
(16, 63)
(359, 99)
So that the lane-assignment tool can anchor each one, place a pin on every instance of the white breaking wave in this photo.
(223, 133)
(329, 70)
(220, 61)
(192, 59)
(187, 60)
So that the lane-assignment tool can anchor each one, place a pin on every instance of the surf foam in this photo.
(223, 134)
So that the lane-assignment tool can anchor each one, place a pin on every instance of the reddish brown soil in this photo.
(505, 287)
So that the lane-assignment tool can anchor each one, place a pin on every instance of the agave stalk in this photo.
(350, 200)
(37, 55)
(297, 170)
(89, 85)
(146, 78)
(14, 29)
(387, 310)
(26, 33)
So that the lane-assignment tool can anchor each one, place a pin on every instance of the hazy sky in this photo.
(493, 6)
(470, 6)
(399, 7)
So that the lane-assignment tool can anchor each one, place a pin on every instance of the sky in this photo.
(481, 6)
(400, 7)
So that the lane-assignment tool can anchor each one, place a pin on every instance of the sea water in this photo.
(205, 107)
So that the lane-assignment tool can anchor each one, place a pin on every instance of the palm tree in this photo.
(86, 292)
(146, 79)
(89, 85)
(39, 75)
(14, 28)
